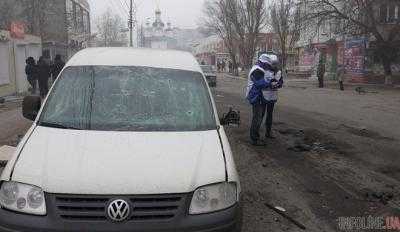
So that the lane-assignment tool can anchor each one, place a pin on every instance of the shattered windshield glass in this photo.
(129, 99)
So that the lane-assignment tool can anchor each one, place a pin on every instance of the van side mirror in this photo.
(231, 117)
(31, 106)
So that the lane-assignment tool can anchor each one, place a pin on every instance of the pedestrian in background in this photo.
(262, 93)
(340, 76)
(321, 71)
(44, 73)
(58, 65)
(31, 73)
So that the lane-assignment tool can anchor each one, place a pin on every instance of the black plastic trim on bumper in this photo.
(228, 220)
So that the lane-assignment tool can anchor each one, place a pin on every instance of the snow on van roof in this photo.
(144, 57)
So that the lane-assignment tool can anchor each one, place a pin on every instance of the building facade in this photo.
(63, 25)
(38, 28)
(212, 50)
(354, 51)
(13, 52)
(78, 24)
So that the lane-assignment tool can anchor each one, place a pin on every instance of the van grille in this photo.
(144, 207)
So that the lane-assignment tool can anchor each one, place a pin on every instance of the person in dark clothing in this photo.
(43, 77)
(31, 73)
(57, 66)
(340, 76)
(321, 71)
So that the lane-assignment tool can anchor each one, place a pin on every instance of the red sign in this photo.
(17, 30)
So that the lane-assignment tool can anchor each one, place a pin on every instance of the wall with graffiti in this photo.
(355, 55)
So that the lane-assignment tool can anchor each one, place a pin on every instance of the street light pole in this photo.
(131, 24)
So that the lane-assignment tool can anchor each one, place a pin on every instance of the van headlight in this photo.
(22, 198)
(213, 198)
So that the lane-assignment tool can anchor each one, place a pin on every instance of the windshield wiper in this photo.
(57, 125)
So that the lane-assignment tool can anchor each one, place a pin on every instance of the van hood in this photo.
(99, 162)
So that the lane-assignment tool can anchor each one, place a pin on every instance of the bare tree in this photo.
(216, 20)
(238, 23)
(33, 13)
(41, 11)
(363, 17)
(7, 10)
(284, 17)
(38, 16)
(109, 27)
(248, 18)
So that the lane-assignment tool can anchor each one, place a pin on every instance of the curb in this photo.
(348, 84)
(233, 77)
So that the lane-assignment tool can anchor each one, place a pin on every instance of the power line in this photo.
(123, 8)
(112, 7)
(117, 8)
(131, 23)
(126, 4)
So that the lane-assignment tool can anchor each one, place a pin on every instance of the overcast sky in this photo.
(181, 13)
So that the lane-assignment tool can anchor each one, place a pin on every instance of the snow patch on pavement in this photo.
(5, 154)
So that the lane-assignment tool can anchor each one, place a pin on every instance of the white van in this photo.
(127, 140)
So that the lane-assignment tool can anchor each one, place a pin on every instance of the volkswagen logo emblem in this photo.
(118, 210)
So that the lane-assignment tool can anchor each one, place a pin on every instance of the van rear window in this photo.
(113, 98)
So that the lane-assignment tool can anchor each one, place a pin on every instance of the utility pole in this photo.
(130, 24)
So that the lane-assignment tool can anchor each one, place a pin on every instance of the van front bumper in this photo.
(228, 220)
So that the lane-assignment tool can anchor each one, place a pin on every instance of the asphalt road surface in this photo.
(12, 123)
(336, 154)
(322, 165)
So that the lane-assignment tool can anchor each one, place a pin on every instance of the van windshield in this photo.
(113, 98)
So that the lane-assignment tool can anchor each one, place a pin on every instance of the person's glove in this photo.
(274, 83)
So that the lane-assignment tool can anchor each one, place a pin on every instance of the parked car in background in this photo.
(210, 74)
(127, 140)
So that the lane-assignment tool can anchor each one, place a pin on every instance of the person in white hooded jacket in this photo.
(262, 93)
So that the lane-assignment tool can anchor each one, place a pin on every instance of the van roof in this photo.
(145, 57)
